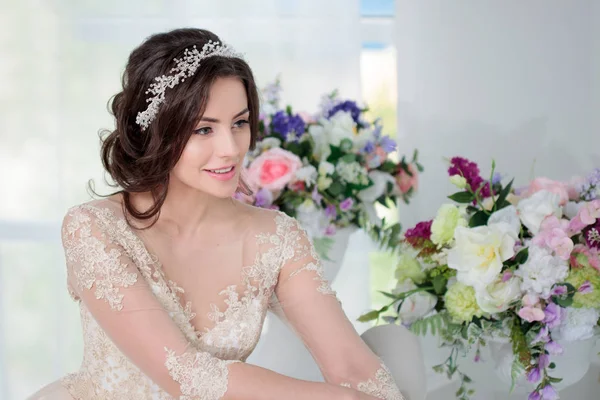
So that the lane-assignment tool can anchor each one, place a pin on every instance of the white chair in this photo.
(401, 352)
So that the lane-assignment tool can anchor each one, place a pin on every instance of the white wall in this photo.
(513, 80)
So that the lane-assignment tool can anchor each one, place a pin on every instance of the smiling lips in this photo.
(222, 174)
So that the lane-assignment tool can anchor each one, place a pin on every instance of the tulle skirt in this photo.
(53, 391)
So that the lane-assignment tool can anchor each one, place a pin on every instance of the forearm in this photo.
(250, 382)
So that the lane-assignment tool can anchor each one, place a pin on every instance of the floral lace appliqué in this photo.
(382, 386)
(199, 374)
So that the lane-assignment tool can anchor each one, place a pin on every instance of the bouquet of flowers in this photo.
(329, 169)
(523, 265)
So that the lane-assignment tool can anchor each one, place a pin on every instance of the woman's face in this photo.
(212, 158)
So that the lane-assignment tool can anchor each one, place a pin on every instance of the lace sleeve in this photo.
(312, 310)
(108, 283)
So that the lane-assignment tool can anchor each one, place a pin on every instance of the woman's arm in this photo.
(312, 309)
(110, 285)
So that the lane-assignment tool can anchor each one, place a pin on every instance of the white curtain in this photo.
(61, 61)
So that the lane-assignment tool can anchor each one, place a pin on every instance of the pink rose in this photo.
(531, 314)
(405, 182)
(274, 169)
(542, 183)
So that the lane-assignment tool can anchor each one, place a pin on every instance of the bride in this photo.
(174, 276)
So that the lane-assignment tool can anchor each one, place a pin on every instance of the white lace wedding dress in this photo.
(124, 290)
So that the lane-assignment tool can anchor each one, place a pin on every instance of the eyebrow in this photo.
(207, 119)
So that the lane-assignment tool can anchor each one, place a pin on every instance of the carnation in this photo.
(578, 324)
(461, 303)
(577, 277)
(409, 268)
(541, 271)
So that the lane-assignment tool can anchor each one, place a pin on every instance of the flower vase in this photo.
(571, 365)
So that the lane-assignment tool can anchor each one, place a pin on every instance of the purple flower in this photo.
(585, 288)
(369, 147)
(289, 127)
(534, 396)
(543, 361)
(264, 198)
(470, 171)
(534, 375)
(553, 348)
(588, 190)
(553, 315)
(348, 106)
(316, 196)
(542, 336)
(506, 276)
(346, 204)
(548, 393)
(330, 230)
(330, 211)
(377, 129)
(388, 144)
(496, 178)
(591, 234)
(559, 290)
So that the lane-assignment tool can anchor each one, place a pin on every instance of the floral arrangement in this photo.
(498, 263)
(328, 169)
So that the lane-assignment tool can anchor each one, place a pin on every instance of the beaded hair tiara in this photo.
(184, 68)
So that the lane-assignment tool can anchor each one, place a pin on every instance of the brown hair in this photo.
(140, 161)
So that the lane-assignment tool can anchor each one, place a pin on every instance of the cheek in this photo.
(194, 155)
(243, 142)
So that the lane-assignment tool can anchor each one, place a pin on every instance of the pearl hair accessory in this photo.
(185, 67)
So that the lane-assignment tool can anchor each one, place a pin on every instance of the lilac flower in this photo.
(559, 290)
(348, 106)
(590, 189)
(553, 348)
(548, 393)
(553, 315)
(585, 288)
(496, 178)
(330, 211)
(369, 147)
(316, 196)
(388, 144)
(264, 198)
(534, 375)
(346, 204)
(534, 396)
(542, 336)
(289, 127)
(543, 361)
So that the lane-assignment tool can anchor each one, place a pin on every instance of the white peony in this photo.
(509, 216)
(541, 271)
(415, 306)
(578, 324)
(534, 209)
(478, 253)
(498, 296)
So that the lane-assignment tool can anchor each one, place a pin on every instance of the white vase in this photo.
(336, 253)
(571, 365)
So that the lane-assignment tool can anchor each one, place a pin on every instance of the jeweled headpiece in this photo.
(185, 67)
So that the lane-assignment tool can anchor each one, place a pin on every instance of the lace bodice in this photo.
(146, 337)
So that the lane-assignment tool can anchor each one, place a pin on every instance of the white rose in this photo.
(498, 296)
(478, 253)
(534, 209)
(307, 174)
(415, 306)
(380, 180)
(509, 216)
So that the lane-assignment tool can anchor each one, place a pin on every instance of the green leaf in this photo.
(563, 302)
(439, 284)
(522, 256)
(346, 145)
(479, 218)
(390, 295)
(323, 246)
(554, 380)
(336, 188)
(462, 197)
(370, 316)
(552, 365)
(501, 201)
(349, 158)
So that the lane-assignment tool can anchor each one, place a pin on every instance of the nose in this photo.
(226, 146)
